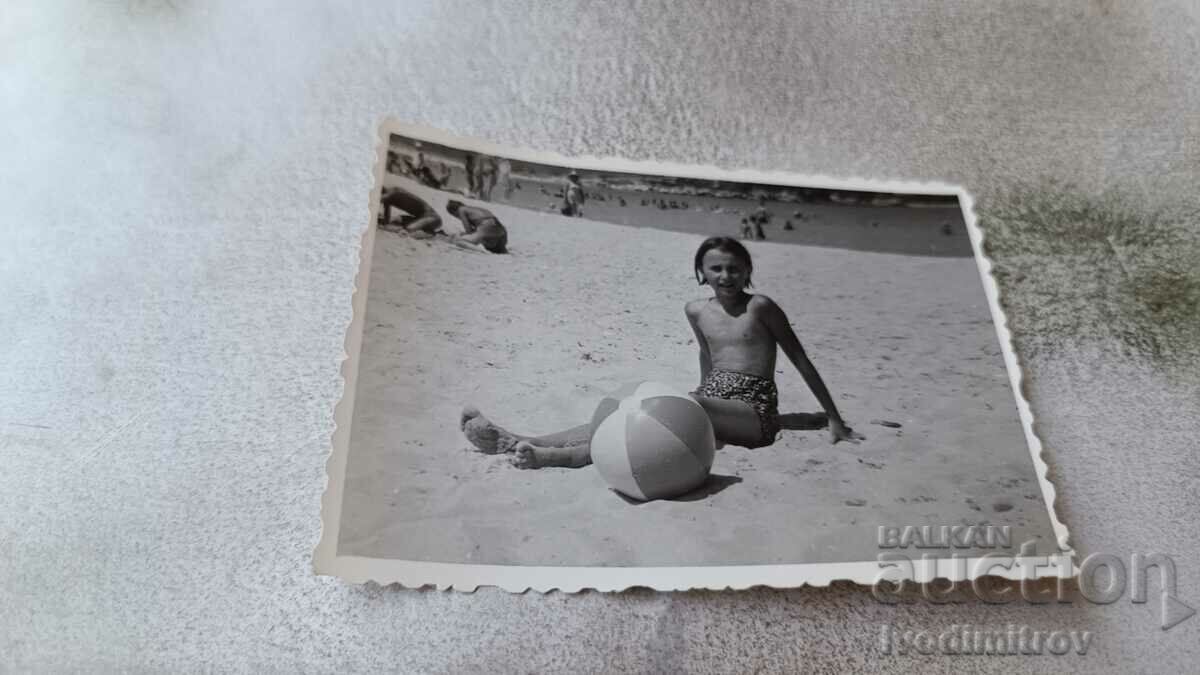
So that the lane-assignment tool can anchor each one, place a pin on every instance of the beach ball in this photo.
(651, 441)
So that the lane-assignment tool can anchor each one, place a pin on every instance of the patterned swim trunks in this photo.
(759, 392)
(495, 238)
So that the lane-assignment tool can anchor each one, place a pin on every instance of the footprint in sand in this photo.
(1000, 506)
(871, 465)
(856, 502)
(974, 506)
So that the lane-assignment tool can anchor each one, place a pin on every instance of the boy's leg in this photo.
(472, 241)
(492, 438)
(568, 448)
(734, 422)
(580, 435)
(399, 225)
(526, 455)
(464, 242)
(427, 224)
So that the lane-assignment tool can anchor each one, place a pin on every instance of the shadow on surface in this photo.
(715, 483)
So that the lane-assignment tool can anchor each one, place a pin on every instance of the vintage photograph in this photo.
(618, 373)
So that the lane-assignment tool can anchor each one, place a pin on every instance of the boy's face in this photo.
(725, 272)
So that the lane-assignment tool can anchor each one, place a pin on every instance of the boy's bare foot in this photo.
(529, 456)
(483, 434)
(524, 456)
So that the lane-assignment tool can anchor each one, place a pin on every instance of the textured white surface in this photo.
(185, 187)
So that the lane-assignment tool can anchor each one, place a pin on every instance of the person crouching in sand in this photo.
(739, 335)
(421, 217)
(481, 226)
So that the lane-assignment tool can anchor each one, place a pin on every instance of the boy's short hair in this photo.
(453, 205)
(728, 245)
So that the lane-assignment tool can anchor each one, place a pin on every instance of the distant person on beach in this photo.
(481, 226)
(418, 161)
(573, 196)
(419, 215)
(471, 168)
(504, 173)
(759, 218)
(410, 165)
(747, 230)
(415, 164)
(739, 335)
(424, 174)
(437, 181)
(489, 173)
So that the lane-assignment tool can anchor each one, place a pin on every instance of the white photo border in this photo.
(520, 578)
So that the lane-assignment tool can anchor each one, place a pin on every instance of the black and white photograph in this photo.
(600, 337)
(595, 368)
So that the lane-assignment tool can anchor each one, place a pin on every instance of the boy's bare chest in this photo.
(723, 329)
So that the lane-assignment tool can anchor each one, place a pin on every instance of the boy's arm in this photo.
(693, 315)
(777, 322)
(464, 216)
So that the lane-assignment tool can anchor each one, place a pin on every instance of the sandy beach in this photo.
(535, 338)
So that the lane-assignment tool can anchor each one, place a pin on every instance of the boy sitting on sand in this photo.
(739, 335)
